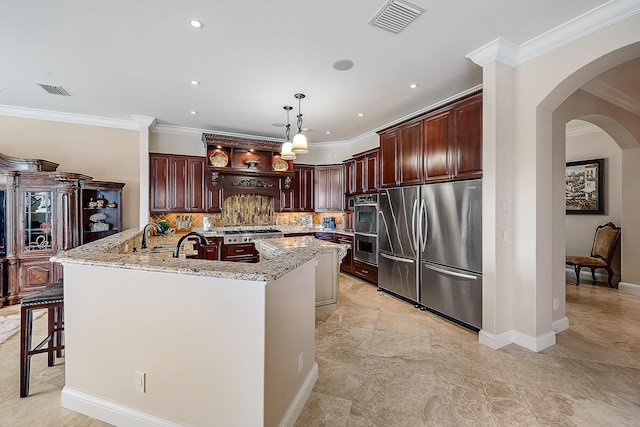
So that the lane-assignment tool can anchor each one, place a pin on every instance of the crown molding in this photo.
(56, 116)
(144, 121)
(613, 95)
(508, 53)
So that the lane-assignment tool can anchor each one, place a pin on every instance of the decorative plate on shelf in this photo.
(280, 165)
(219, 159)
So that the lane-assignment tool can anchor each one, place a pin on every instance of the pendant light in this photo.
(299, 140)
(285, 152)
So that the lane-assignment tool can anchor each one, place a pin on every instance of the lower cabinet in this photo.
(347, 262)
(35, 274)
(328, 237)
(365, 271)
(211, 251)
(327, 280)
(244, 252)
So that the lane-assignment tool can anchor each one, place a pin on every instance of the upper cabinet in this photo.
(361, 173)
(303, 188)
(177, 183)
(401, 150)
(453, 141)
(442, 145)
(329, 188)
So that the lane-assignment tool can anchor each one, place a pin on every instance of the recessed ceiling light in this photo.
(195, 82)
(413, 86)
(195, 23)
(360, 114)
(328, 132)
(194, 112)
(343, 65)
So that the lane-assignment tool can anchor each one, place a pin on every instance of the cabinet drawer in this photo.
(244, 253)
(329, 237)
(366, 271)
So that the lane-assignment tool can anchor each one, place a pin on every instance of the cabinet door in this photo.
(410, 154)
(361, 175)
(34, 274)
(350, 177)
(372, 162)
(467, 149)
(179, 175)
(160, 183)
(214, 199)
(347, 261)
(436, 129)
(328, 188)
(303, 195)
(196, 185)
(388, 159)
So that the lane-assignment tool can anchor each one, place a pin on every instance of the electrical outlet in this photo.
(140, 382)
(300, 362)
(556, 304)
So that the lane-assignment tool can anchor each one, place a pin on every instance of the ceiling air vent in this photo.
(395, 15)
(54, 90)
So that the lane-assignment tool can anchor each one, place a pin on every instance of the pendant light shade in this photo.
(285, 151)
(299, 140)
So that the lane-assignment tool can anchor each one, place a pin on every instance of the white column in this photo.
(145, 123)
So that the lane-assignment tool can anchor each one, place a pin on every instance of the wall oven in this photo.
(365, 214)
(365, 225)
(366, 248)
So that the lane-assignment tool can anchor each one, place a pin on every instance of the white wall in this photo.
(215, 351)
(580, 228)
(106, 154)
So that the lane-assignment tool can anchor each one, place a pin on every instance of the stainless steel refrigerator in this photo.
(430, 247)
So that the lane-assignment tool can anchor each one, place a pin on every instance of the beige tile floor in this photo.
(384, 363)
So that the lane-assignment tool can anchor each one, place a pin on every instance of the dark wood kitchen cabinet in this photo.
(178, 184)
(242, 252)
(365, 271)
(210, 251)
(303, 195)
(401, 152)
(349, 168)
(347, 262)
(328, 188)
(366, 171)
(453, 142)
(441, 145)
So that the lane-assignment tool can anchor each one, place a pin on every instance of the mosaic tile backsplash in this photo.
(248, 209)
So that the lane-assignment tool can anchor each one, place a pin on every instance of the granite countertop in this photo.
(286, 229)
(118, 251)
(287, 245)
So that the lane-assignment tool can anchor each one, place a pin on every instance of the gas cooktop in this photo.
(247, 236)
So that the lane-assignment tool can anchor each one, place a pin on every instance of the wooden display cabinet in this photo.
(103, 199)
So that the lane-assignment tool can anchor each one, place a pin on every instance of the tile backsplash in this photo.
(248, 209)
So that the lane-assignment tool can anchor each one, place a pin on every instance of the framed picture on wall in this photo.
(584, 187)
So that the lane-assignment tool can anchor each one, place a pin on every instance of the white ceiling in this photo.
(120, 58)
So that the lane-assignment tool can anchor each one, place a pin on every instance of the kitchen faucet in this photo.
(143, 245)
(203, 241)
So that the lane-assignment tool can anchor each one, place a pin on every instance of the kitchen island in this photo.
(215, 343)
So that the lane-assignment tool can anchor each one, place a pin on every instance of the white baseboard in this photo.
(629, 288)
(560, 325)
(119, 415)
(514, 337)
(110, 412)
(298, 403)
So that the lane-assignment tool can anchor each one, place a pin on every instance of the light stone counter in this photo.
(118, 251)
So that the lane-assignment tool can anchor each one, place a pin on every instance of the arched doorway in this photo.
(524, 163)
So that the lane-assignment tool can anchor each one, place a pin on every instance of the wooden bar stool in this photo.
(52, 299)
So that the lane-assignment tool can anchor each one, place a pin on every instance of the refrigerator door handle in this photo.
(395, 258)
(414, 218)
(424, 233)
(452, 273)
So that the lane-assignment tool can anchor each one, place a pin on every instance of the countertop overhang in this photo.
(117, 251)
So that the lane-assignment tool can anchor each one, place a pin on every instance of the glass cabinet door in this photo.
(37, 220)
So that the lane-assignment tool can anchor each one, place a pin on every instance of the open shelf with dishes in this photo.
(101, 213)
